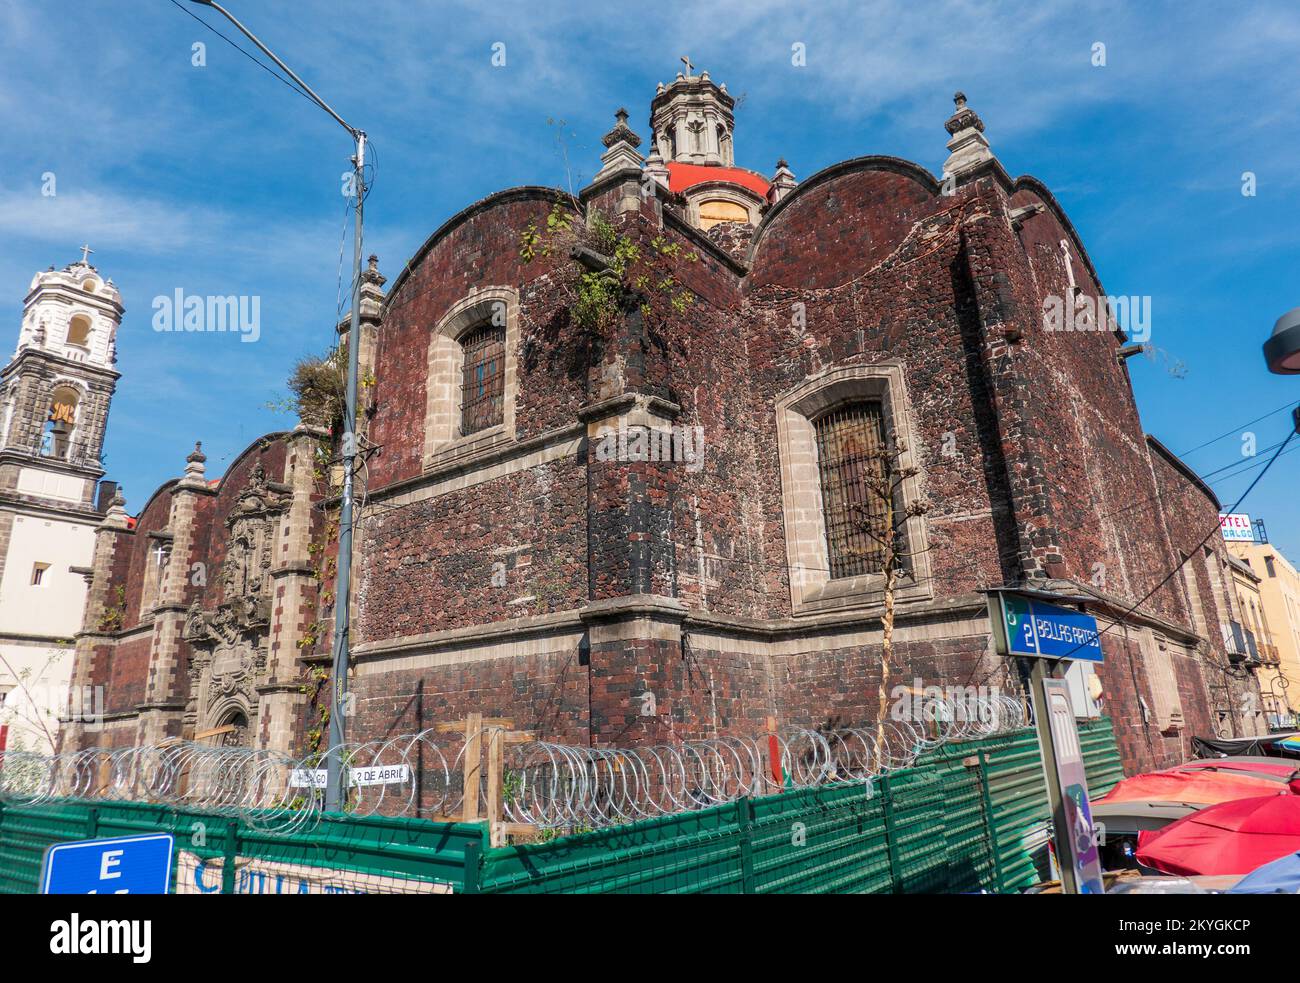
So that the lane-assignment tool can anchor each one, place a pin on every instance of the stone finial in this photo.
(783, 182)
(655, 168)
(621, 144)
(371, 273)
(963, 117)
(621, 131)
(967, 146)
(116, 516)
(194, 469)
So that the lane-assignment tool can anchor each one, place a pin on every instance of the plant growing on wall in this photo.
(114, 612)
(608, 273)
(883, 476)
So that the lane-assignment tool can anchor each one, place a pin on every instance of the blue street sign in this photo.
(1047, 631)
(122, 865)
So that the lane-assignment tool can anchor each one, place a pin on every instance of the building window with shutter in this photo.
(845, 439)
(473, 376)
(850, 464)
(482, 379)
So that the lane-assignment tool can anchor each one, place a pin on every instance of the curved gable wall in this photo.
(840, 222)
(479, 247)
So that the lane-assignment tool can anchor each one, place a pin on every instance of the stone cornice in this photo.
(107, 376)
(66, 511)
(477, 461)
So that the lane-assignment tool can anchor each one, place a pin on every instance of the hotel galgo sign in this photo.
(1237, 528)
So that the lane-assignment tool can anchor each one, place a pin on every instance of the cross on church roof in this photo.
(685, 59)
(85, 255)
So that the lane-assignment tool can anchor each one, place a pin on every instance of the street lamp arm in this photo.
(336, 781)
(356, 134)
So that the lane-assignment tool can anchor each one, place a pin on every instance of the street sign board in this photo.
(119, 865)
(1050, 635)
(369, 775)
(1038, 629)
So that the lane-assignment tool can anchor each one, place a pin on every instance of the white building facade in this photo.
(54, 399)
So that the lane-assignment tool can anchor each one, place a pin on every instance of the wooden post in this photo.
(473, 764)
(496, 761)
(774, 755)
(498, 736)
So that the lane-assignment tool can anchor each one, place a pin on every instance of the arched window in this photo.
(62, 421)
(844, 437)
(483, 378)
(851, 465)
(715, 210)
(472, 380)
(79, 331)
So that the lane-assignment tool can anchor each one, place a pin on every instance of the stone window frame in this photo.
(717, 191)
(442, 438)
(812, 591)
(1162, 677)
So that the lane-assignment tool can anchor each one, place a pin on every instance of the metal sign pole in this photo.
(1028, 625)
(1055, 801)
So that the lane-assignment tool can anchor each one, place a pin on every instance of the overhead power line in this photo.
(1238, 429)
(260, 64)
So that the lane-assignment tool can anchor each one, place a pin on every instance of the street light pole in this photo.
(334, 790)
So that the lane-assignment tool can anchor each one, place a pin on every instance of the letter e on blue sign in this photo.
(121, 865)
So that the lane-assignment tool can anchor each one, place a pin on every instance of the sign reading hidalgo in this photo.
(1237, 527)
(202, 875)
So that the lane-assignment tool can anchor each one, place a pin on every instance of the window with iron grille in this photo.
(849, 442)
(482, 392)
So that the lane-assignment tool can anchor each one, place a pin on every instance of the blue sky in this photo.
(220, 180)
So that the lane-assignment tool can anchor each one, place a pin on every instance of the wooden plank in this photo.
(473, 764)
(496, 767)
(227, 729)
(451, 726)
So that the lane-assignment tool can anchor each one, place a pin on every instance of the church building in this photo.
(618, 466)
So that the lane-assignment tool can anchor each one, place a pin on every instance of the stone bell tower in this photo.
(54, 399)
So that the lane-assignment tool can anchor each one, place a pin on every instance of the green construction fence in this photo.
(968, 816)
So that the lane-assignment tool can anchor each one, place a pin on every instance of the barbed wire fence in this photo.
(543, 784)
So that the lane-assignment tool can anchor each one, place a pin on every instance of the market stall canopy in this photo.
(1279, 769)
(1285, 745)
(1229, 838)
(1196, 786)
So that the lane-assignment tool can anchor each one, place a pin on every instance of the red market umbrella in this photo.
(1278, 768)
(1228, 838)
(1202, 787)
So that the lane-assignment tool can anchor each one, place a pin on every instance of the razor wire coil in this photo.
(544, 783)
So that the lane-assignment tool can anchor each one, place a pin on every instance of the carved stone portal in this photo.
(229, 646)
